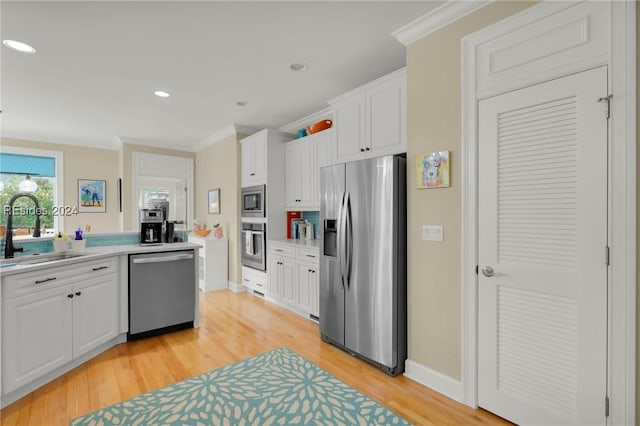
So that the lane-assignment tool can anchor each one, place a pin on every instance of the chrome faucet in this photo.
(9, 248)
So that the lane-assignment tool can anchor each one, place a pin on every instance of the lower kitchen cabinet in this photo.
(36, 334)
(47, 322)
(306, 278)
(254, 280)
(281, 281)
(95, 308)
(293, 276)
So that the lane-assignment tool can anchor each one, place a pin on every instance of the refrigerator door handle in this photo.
(348, 239)
(341, 237)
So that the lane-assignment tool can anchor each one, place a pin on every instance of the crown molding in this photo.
(438, 18)
(222, 134)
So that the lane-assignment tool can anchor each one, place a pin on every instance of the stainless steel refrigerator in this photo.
(363, 272)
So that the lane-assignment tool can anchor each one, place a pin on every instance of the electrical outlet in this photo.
(432, 233)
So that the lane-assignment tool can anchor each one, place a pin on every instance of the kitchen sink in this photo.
(36, 259)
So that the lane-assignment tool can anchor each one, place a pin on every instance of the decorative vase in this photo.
(217, 232)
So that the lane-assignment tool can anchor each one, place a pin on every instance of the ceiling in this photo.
(98, 64)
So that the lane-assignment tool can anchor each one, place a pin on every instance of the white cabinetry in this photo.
(308, 265)
(281, 272)
(303, 159)
(213, 263)
(370, 121)
(50, 317)
(254, 280)
(263, 163)
(36, 333)
(293, 276)
(300, 161)
(253, 160)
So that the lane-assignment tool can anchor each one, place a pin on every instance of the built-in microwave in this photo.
(253, 201)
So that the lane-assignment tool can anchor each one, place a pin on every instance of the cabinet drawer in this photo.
(29, 282)
(285, 250)
(308, 254)
(255, 280)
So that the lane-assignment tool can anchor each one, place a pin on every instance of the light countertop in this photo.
(298, 243)
(88, 253)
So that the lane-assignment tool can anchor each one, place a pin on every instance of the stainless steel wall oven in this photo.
(254, 242)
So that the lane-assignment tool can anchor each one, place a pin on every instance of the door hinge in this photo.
(607, 256)
(607, 99)
(476, 269)
(606, 406)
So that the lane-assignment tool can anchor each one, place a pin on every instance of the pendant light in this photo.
(28, 185)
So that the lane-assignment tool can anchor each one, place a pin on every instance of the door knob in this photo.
(488, 271)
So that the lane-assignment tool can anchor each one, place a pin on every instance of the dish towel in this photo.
(248, 243)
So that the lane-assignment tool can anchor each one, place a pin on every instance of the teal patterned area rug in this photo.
(278, 387)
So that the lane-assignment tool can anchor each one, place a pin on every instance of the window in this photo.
(45, 169)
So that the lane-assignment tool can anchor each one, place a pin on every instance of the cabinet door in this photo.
(307, 173)
(95, 313)
(247, 162)
(323, 144)
(386, 122)
(314, 289)
(292, 174)
(260, 159)
(288, 289)
(275, 276)
(304, 298)
(36, 335)
(350, 128)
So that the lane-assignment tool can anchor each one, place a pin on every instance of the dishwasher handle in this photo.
(163, 258)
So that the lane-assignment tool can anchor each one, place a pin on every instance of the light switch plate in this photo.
(432, 233)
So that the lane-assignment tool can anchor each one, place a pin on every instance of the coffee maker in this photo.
(151, 226)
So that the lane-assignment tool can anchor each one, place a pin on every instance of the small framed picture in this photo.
(432, 170)
(214, 201)
(92, 196)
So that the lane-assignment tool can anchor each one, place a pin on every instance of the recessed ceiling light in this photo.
(298, 67)
(241, 103)
(161, 94)
(19, 46)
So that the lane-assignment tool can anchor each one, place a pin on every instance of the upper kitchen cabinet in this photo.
(253, 161)
(261, 154)
(370, 121)
(303, 159)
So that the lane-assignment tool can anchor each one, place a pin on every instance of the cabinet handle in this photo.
(367, 149)
(99, 268)
(252, 174)
(278, 249)
(45, 280)
(70, 296)
(309, 270)
(78, 293)
(246, 280)
(311, 255)
(361, 149)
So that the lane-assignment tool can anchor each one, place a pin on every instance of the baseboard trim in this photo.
(237, 288)
(432, 379)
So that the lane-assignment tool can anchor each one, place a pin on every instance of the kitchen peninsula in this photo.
(61, 309)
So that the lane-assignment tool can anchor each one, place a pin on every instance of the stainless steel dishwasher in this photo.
(162, 292)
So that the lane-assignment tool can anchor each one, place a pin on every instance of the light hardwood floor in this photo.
(233, 327)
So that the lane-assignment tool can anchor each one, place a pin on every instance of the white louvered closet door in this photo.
(542, 316)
